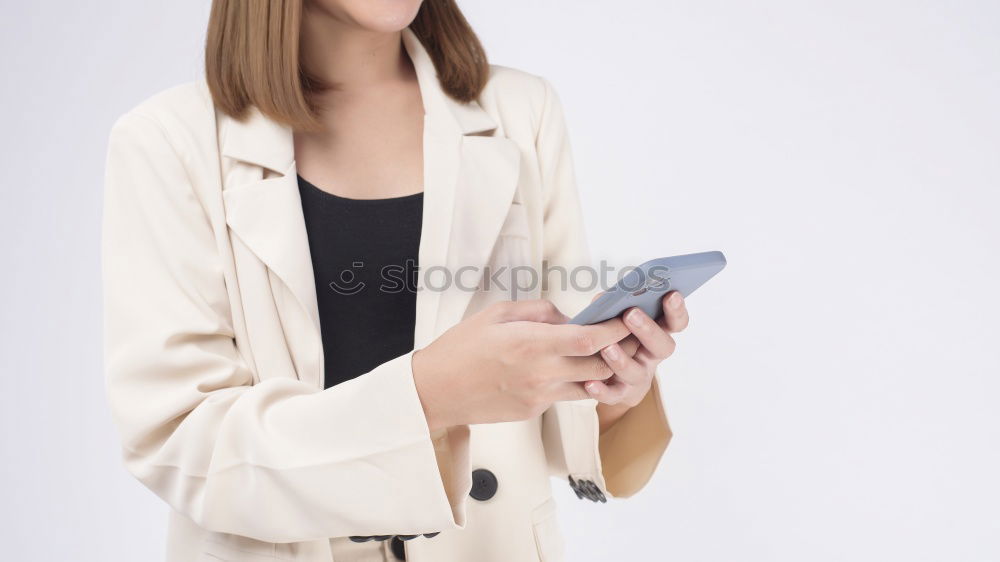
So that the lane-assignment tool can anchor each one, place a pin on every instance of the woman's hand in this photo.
(634, 372)
(511, 361)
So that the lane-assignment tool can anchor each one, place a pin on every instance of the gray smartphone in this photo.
(645, 286)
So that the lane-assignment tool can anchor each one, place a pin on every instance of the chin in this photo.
(383, 16)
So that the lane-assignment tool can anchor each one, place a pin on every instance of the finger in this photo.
(675, 312)
(647, 359)
(532, 311)
(609, 332)
(579, 369)
(570, 340)
(570, 391)
(624, 366)
(612, 393)
(652, 337)
(631, 345)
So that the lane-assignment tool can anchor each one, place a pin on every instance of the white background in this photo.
(836, 395)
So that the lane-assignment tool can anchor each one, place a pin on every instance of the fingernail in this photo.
(675, 300)
(591, 387)
(634, 318)
(611, 353)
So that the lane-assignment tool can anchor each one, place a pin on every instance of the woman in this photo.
(273, 398)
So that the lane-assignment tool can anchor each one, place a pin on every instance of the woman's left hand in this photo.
(633, 373)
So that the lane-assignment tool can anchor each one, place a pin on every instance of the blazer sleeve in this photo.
(620, 461)
(280, 460)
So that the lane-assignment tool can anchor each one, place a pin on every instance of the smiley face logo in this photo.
(348, 283)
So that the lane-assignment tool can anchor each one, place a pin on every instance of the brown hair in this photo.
(252, 57)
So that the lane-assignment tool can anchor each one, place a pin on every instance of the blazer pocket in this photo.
(548, 537)
(510, 265)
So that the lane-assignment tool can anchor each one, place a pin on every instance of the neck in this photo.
(350, 58)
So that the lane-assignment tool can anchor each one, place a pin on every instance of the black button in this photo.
(382, 537)
(484, 484)
(432, 535)
(398, 550)
(595, 493)
(406, 537)
(587, 489)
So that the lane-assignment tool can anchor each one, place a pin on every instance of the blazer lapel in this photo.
(470, 176)
(263, 208)
(487, 181)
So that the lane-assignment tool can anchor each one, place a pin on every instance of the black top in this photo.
(364, 256)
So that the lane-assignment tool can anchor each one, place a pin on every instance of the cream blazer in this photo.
(214, 359)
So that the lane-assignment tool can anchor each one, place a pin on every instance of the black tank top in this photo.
(364, 257)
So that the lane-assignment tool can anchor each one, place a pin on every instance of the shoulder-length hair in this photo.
(252, 57)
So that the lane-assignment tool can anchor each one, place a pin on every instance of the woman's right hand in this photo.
(510, 362)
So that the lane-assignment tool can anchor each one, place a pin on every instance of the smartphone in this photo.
(646, 285)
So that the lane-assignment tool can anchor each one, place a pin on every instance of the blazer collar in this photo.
(469, 182)
(263, 142)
